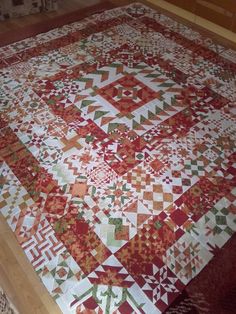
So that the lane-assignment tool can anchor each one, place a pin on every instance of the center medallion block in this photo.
(127, 94)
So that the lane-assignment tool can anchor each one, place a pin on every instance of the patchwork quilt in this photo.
(118, 163)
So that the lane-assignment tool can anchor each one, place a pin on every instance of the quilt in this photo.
(118, 163)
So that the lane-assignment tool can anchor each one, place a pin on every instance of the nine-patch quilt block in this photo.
(117, 157)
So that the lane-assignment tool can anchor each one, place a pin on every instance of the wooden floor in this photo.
(17, 276)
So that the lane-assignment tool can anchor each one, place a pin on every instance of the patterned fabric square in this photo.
(186, 258)
(60, 274)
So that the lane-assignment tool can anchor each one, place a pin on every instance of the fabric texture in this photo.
(118, 163)
(16, 8)
(6, 307)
